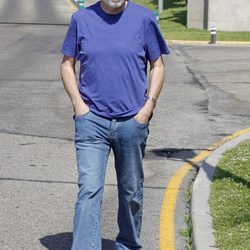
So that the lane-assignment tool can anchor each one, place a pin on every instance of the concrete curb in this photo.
(203, 238)
(218, 43)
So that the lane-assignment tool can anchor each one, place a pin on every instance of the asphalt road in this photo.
(34, 12)
(205, 97)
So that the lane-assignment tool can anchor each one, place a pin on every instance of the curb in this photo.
(218, 43)
(203, 238)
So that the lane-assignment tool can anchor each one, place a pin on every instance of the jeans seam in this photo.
(94, 237)
(98, 211)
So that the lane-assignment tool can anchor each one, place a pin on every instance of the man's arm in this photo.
(156, 80)
(70, 84)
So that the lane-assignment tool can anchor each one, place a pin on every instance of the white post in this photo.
(160, 6)
(213, 35)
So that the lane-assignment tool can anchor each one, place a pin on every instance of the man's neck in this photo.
(110, 10)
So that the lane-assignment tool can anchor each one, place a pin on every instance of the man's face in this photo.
(114, 3)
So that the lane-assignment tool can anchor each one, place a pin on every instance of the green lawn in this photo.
(230, 199)
(172, 23)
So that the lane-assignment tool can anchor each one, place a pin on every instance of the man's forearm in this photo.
(70, 83)
(156, 80)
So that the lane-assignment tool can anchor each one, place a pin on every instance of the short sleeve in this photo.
(70, 45)
(155, 42)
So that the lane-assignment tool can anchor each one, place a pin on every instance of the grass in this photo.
(172, 23)
(187, 231)
(230, 199)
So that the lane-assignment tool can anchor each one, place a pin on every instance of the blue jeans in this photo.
(94, 137)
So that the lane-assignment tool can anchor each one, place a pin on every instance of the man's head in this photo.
(114, 3)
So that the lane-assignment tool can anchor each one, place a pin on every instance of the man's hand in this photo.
(80, 108)
(144, 115)
(71, 86)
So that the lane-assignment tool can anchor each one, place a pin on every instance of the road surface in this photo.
(205, 97)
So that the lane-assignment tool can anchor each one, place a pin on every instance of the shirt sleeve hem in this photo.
(156, 56)
(67, 53)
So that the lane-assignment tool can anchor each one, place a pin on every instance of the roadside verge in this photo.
(203, 238)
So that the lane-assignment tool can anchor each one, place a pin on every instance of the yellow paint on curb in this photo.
(167, 224)
(73, 7)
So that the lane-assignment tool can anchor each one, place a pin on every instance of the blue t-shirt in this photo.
(113, 50)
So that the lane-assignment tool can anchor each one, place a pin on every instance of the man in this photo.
(113, 40)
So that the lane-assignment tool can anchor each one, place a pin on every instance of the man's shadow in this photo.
(63, 241)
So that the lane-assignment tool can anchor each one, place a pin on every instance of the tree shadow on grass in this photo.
(173, 4)
(218, 174)
(178, 16)
(154, 2)
(223, 174)
(168, 3)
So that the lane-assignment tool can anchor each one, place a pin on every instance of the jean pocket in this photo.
(77, 117)
(140, 124)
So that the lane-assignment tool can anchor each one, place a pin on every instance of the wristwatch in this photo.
(152, 99)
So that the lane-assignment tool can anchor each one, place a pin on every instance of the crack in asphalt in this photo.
(3, 131)
(63, 182)
(195, 77)
(30, 23)
(31, 80)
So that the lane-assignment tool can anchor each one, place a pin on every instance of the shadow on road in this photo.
(63, 241)
(184, 154)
